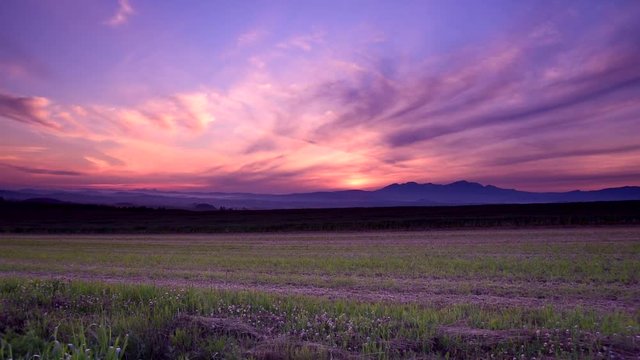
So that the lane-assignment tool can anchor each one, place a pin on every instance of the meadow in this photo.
(523, 293)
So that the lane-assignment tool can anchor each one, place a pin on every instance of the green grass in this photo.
(567, 293)
(572, 255)
(156, 322)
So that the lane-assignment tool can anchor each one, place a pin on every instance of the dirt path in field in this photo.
(418, 296)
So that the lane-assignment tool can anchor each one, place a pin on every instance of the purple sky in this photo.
(284, 96)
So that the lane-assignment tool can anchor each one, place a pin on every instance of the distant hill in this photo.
(464, 192)
(406, 194)
(44, 201)
(43, 217)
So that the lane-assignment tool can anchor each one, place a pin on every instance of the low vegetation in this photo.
(546, 293)
(93, 320)
(35, 217)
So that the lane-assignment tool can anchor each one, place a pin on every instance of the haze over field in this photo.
(407, 194)
(289, 96)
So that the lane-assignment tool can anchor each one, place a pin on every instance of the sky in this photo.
(289, 96)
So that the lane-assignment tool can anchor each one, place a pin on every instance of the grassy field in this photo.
(543, 293)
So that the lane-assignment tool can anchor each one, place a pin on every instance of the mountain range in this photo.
(405, 194)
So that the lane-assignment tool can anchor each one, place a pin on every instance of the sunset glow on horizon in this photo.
(291, 96)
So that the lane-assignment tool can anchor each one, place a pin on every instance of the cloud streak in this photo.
(28, 110)
(122, 15)
(318, 110)
(36, 171)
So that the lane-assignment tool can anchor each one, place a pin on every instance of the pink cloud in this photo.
(331, 118)
(122, 15)
(250, 37)
(28, 110)
(303, 42)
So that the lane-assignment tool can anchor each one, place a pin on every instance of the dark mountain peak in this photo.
(461, 184)
(204, 206)
(457, 184)
(466, 184)
(628, 187)
(410, 184)
(397, 194)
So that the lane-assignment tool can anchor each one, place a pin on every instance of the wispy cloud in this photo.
(122, 15)
(303, 42)
(28, 110)
(250, 37)
(18, 63)
(308, 113)
(37, 171)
